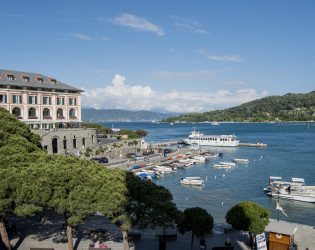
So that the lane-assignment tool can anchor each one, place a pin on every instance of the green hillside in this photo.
(290, 107)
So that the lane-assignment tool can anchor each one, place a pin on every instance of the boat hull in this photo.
(304, 198)
(211, 143)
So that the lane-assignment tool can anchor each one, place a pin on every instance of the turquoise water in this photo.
(290, 153)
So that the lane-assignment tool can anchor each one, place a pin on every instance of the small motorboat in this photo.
(195, 181)
(240, 160)
(221, 166)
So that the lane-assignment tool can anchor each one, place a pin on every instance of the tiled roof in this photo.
(34, 80)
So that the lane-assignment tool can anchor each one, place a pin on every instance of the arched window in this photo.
(72, 113)
(60, 113)
(32, 113)
(17, 112)
(46, 113)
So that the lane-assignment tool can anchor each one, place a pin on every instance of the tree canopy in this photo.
(248, 216)
(197, 220)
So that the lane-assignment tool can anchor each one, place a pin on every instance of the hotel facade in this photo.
(50, 107)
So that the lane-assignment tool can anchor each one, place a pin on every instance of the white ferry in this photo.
(211, 140)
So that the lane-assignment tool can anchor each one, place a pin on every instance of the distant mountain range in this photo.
(290, 107)
(118, 115)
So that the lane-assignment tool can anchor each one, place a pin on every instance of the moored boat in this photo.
(294, 190)
(240, 160)
(194, 181)
(221, 166)
(211, 140)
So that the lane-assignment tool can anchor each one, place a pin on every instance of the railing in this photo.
(32, 117)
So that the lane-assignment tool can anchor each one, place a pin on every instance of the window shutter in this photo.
(35, 99)
(5, 99)
(29, 99)
(58, 101)
(63, 101)
(49, 100)
(75, 101)
(20, 99)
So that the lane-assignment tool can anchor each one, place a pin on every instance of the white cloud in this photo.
(190, 24)
(225, 58)
(138, 23)
(105, 38)
(81, 36)
(120, 95)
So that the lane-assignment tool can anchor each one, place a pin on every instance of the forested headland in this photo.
(290, 107)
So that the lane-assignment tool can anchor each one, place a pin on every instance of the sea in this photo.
(290, 152)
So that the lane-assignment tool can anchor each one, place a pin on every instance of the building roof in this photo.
(35, 80)
(281, 227)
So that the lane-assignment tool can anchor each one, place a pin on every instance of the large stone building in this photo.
(50, 107)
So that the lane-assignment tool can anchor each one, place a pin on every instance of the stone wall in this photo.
(69, 140)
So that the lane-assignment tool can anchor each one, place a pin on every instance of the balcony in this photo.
(19, 117)
(32, 117)
(47, 117)
(60, 117)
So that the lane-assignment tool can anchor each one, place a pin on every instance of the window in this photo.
(32, 99)
(17, 99)
(72, 101)
(60, 101)
(32, 113)
(46, 113)
(17, 112)
(11, 77)
(26, 78)
(72, 113)
(46, 100)
(53, 81)
(3, 98)
(40, 80)
(60, 114)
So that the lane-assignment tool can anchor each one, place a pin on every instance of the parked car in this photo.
(100, 160)
(167, 151)
(131, 155)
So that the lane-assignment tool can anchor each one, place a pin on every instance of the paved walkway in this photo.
(34, 234)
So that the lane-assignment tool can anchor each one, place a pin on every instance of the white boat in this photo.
(215, 123)
(295, 190)
(240, 160)
(221, 166)
(228, 163)
(211, 140)
(194, 181)
(163, 170)
(200, 158)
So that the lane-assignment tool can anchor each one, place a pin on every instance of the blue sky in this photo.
(178, 56)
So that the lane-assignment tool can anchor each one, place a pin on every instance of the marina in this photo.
(223, 187)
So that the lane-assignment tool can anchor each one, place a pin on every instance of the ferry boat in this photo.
(211, 140)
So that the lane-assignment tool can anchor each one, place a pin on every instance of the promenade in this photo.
(51, 235)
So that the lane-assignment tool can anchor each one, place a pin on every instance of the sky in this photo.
(166, 55)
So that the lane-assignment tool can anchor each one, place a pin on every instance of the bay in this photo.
(290, 153)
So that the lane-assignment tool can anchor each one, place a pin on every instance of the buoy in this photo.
(269, 208)
(198, 199)
(215, 177)
(222, 203)
(231, 203)
(207, 201)
(186, 198)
